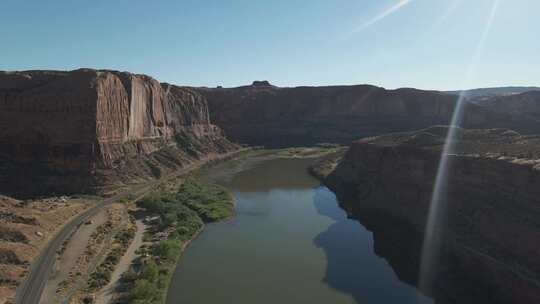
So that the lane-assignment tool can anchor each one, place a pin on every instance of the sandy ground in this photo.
(138, 190)
(68, 260)
(34, 222)
(106, 294)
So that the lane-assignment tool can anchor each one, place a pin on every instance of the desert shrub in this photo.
(129, 276)
(99, 278)
(154, 169)
(102, 275)
(189, 143)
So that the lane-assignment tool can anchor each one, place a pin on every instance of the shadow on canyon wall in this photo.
(375, 257)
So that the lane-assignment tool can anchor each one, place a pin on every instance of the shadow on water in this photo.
(289, 242)
(353, 266)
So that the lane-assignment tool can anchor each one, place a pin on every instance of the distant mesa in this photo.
(261, 83)
(267, 115)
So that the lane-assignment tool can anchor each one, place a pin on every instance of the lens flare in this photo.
(389, 11)
(454, 5)
(438, 206)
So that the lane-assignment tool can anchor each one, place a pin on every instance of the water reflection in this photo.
(289, 242)
(260, 174)
(351, 265)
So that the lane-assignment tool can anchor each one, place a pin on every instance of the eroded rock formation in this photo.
(67, 131)
(262, 114)
(489, 249)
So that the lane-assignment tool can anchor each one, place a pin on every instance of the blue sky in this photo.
(430, 44)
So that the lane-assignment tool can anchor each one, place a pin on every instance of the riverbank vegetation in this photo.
(179, 216)
(326, 163)
(316, 151)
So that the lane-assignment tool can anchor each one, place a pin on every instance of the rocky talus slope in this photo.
(489, 249)
(262, 114)
(77, 131)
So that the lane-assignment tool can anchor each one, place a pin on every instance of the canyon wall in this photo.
(488, 249)
(262, 114)
(526, 104)
(69, 131)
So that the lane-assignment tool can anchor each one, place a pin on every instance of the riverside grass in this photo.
(182, 214)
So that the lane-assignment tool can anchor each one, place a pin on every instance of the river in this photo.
(289, 242)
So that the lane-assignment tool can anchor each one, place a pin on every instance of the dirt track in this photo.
(105, 295)
(29, 292)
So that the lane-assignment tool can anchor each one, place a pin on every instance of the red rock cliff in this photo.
(263, 114)
(490, 250)
(59, 124)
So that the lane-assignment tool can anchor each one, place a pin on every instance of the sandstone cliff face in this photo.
(57, 129)
(263, 114)
(489, 245)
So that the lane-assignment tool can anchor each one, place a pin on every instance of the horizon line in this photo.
(534, 87)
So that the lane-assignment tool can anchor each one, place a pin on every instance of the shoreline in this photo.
(183, 248)
(188, 243)
(38, 276)
(172, 264)
(266, 154)
(231, 156)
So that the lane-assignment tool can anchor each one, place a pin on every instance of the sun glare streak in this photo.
(435, 220)
(449, 11)
(392, 9)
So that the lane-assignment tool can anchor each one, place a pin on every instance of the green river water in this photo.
(289, 242)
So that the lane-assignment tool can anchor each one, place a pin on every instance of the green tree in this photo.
(169, 219)
(168, 249)
(143, 290)
(150, 272)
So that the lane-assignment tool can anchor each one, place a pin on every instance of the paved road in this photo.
(29, 292)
